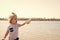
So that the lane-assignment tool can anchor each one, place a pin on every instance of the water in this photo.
(36, 30)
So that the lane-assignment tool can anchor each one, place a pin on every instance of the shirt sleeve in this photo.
(18, 25)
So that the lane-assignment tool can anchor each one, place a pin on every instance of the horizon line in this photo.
(35, 19)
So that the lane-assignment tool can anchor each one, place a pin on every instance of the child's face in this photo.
(14, 20)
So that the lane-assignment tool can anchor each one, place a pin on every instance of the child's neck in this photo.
(13, 23)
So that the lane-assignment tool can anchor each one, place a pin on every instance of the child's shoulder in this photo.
(9, 25)
(17, 24)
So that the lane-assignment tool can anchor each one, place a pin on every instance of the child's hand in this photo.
(3, 39)
(28, 21)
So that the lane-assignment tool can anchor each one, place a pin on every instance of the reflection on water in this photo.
(36, 30)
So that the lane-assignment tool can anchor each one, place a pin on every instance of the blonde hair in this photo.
(11, 17)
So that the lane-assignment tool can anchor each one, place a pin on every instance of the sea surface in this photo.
(36, 30)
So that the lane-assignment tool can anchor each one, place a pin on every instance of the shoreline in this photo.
(32, 19)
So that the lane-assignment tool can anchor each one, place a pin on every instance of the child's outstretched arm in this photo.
(6, 34)
(26, 22)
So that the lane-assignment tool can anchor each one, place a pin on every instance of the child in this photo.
(13, 28)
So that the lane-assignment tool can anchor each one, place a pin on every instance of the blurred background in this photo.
(45, 14)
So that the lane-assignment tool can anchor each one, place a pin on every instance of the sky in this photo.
(30, 8)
